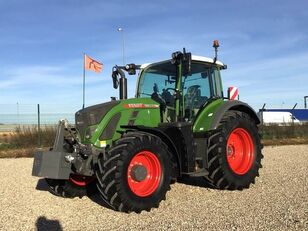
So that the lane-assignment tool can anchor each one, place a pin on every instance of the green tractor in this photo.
(178, 125)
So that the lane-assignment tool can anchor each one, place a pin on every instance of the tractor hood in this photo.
(92, 115)
(99, 122)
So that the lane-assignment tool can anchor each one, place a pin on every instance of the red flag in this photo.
(91, 64)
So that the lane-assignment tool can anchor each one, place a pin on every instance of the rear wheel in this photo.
(234, 152)
(134, 175)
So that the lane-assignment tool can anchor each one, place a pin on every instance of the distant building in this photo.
(282, 116)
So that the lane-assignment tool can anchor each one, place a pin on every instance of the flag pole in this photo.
(84, 81)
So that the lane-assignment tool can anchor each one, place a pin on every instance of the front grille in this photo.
(92, 115)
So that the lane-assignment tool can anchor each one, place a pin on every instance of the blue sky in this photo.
(264, 44)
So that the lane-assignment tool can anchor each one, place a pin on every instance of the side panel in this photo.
(137, 111)
(204, 119)
(211, 115)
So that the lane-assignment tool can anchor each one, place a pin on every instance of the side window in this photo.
(215, 78)
(196, 90)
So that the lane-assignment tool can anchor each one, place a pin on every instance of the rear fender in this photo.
(232, 105)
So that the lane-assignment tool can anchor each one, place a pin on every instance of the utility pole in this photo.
(84, 81)
(120, 29)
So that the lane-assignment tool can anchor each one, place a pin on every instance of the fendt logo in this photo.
(140, 105)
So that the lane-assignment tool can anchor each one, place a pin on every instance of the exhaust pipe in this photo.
(123, 87)
(122, 81)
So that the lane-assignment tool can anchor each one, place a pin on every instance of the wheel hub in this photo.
(230, 150)
(138, 173)
(240, 151)
(144, 174)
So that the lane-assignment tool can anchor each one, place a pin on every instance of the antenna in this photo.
(294, 106)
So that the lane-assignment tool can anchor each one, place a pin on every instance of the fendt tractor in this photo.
(179, 125)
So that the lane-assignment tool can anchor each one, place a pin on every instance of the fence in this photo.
(19, 115)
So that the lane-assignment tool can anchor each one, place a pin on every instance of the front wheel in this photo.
(234, 152)
(135, 173)
(75, 186)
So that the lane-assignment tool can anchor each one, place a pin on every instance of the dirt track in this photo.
(278, 201)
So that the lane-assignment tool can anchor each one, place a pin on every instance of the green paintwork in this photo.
(149, 117)
(205, 118)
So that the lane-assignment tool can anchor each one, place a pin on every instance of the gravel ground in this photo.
(278, 201)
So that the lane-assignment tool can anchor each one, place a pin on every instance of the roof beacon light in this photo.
(215, 45)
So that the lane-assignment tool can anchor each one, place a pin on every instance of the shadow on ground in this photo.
(42, 224)
(195, 181)
(95, 196)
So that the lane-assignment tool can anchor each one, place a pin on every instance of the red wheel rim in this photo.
(149, 163)
(80, 180)
(240, 151)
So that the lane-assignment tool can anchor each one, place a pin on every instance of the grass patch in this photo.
(282, 132)
(28, 136)
(284, 135)
(24, 140)
(288, 141)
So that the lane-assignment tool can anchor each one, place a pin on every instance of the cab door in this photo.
(197, 89)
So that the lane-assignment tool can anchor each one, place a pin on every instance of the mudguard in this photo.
(232, 105)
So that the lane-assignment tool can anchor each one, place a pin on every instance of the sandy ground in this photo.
(4, 128)
(278, 201)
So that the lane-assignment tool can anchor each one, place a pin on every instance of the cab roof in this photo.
(193, 58)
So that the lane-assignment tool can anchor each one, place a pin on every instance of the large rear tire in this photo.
(135, 173)
(234, 152)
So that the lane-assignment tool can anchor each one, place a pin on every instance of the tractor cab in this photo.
(181, 95)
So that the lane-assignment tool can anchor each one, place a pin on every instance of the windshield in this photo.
(158, 81)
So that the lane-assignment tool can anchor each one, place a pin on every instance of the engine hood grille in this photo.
(92, 115)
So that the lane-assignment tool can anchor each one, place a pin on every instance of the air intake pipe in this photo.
(122, 81)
